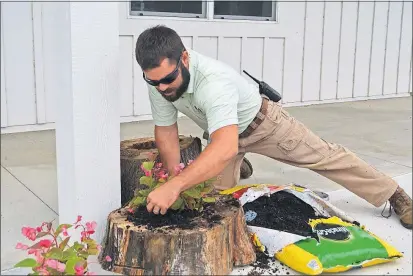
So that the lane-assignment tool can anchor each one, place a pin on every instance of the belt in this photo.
(259, 118)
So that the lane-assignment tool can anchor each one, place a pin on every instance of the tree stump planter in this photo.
(135, 151)
(186, 243)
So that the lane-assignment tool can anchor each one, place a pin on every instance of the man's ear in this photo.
(185, 59)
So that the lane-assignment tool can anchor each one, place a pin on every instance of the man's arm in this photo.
(212, 160)
(167, 142)
(165, 117)
(222, 114)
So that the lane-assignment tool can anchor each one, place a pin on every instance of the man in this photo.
(239, 120)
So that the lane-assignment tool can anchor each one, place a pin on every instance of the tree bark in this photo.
(203, 250)
(134, 152)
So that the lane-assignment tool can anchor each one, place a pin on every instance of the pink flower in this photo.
(21, 246)
(148, 173)
(90, 227)
(83, 235)
(56, 265)
(29, 233)
(159, 165)
(130, 210)
(108, 258)
(79, 270)
(163, 176)
(64, 231)
(178, 169)
(39, 229)
(79, 218)
(32, 251)
(37, 253)
(45, 243)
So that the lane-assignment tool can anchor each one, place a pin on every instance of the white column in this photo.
(88, 118)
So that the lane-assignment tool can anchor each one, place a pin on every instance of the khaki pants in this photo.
(283, 138)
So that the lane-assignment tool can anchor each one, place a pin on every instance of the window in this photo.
(218, 9)
(195, 9)
(254, 10)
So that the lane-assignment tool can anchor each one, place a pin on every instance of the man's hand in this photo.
(162, 198)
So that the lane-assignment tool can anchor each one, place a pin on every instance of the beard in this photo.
(186, 77)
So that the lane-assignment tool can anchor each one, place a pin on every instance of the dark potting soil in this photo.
(284, 212)
(185, 219)
(265, 265)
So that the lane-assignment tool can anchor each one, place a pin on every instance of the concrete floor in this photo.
(379, 131)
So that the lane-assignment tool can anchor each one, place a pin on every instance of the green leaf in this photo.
(60, 228)
(145, 180)
(70, 265)
(78, 246)
(28, 262)
(200, 186)
(145, 192)
(148, 165)
(90, 242)
(138, 201)
(92, 251)
(63, 244)
(177, 204)
(207, 189)
(194, 193)
(69, 254)
(190, 203)
(55, 253)
(209, 199)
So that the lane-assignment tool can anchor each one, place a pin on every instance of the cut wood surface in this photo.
(135, 151)
(202, 250)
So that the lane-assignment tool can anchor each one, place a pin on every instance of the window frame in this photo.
(207, 14)
(203, 15)
(272, 18)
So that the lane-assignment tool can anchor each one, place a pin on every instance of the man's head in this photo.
(164, 61)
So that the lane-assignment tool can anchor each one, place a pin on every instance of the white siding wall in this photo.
(317, 52)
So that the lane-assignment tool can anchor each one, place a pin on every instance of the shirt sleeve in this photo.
(220, 103)
(164, 113)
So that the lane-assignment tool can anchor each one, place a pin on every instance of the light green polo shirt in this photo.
(217, 96)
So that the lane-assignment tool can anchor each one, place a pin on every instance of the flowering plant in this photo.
(155, 175)
(52, 254)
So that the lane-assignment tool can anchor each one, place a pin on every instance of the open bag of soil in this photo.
(307, 233)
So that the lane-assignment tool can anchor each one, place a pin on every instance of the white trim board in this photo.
(148, 117)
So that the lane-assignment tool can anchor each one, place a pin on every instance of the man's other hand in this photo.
(160, 199)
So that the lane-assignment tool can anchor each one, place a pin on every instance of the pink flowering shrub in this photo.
(52, 254)
(155, 175)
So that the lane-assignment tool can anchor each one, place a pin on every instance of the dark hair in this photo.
(157, 43)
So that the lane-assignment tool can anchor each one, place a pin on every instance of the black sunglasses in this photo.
(170, 78)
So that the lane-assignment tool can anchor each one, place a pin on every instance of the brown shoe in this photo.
(246, 169)
(402, 205)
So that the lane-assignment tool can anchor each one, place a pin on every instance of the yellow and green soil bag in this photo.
(307, 233)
